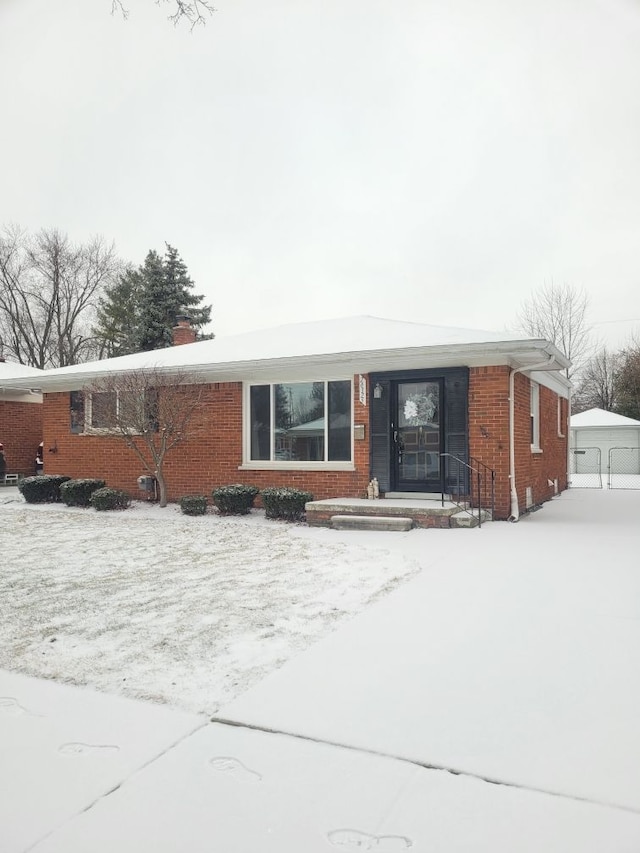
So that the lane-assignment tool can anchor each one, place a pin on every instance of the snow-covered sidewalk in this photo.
(82, 771)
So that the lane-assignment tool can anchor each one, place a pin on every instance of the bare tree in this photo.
(598, 382)
(559, 313)
(628, 383)
(150, 410)
(194, 12)
(49, 289)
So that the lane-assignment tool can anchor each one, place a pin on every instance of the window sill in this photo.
(536, 449)
(297, 466)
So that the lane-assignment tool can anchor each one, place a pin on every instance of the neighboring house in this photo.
(328, 405)
(20, 416)
(604, 442)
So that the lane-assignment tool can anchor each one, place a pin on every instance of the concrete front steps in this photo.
(399, 512)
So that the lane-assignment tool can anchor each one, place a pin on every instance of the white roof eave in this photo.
(517, 354)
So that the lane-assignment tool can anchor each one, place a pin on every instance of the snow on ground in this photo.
(153, 604)
(512, 655)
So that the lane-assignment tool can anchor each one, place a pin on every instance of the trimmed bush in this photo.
(103, 499)
(285, 503)
(235, 500)
(193, 505)
(78, 492)
(45, 488)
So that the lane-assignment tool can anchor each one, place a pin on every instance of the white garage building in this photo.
(606, 444)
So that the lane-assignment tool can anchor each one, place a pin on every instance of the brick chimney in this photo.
(183, 331)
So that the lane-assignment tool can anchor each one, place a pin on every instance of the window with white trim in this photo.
(103, 411)
(300, 422)
(562, 418)
(535, 415)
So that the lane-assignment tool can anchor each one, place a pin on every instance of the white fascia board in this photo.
(603, 427)
(334, 365)
(556, 382)
(20, 395)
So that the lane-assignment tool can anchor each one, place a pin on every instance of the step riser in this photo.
(370, 522)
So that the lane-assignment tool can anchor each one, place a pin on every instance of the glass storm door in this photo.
(416, 436)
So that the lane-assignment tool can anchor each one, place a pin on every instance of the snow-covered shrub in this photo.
(107, 498)
(78, 492)
(45, 488)
(193, 505)
(285, 503)
(235, 500)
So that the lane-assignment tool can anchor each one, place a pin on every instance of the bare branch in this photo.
(152, 412)
(598, 382)
(117, 6)
(194, 12)
(49, 289)
(559, 313)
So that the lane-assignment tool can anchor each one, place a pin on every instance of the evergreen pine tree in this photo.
(166, 294)
(116, 329)
(157, 306)
(139, 312)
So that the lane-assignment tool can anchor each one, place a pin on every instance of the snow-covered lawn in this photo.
(156, 605)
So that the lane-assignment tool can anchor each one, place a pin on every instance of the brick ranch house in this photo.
(20, 416)
(328, 405)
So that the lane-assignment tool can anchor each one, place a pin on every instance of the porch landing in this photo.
(424, 511)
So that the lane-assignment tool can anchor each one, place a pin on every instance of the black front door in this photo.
(416, 435)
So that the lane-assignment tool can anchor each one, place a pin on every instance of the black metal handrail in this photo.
(475, 482)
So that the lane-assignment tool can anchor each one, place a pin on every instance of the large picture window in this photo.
(300, 422)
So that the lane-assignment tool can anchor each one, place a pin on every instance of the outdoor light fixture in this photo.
(377, 391)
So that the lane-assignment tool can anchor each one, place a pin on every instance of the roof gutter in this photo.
(515, 509)
(356, 361)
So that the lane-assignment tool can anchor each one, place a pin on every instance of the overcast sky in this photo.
(431, 160)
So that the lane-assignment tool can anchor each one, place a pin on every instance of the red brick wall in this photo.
(210, 457)
(489, 427)
(489, 436)
(21, 433)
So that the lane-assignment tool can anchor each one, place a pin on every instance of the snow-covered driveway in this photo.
(156, 605)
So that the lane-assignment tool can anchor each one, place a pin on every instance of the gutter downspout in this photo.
(515, 509)
(568, 428)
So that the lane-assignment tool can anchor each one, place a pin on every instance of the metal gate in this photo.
(624, 468)
(585, 468)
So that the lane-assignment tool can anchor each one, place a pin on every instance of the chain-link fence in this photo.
(585, 468)
(624, 468)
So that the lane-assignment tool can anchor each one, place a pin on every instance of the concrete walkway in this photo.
(82, 771)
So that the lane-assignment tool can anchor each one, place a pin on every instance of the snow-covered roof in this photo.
(601, 418)
(12, 370)
(321, 349)
(17, 382)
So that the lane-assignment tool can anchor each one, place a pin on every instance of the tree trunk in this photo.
(162, 488)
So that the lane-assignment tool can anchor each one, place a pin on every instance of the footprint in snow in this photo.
(352, 839)
(87, 749)
(236, 769)
(12, 708)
